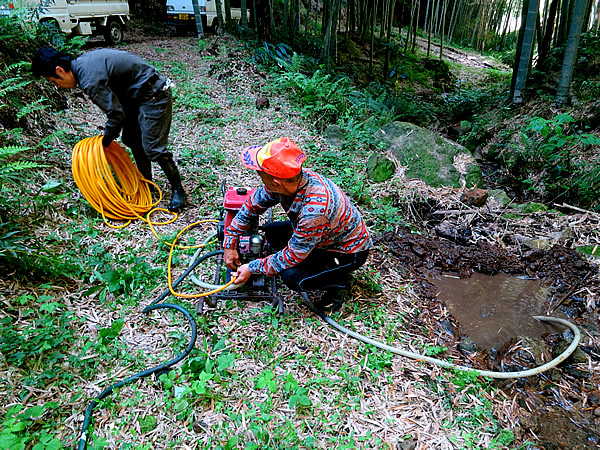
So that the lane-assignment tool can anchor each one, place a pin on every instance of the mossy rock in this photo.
(380, 168)
(529, 208)
(499, 196)
(432, 158)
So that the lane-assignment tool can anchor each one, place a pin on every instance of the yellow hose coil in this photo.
(113, 185)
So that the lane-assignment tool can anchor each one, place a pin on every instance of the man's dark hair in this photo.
(46, 59)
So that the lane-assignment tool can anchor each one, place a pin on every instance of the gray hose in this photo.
(438, 362)
(204, 284)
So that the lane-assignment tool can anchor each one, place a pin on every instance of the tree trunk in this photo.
(563, 25)
(414, 40)
(410, 25)
(386, 65)
(263, 21)
(198, 17)
(426, 24)
(227, 12)
(429, 32)
(219, 16)
(452, 19)
(544, 44)
(284, 28)
(244, 18)
(570, 58)
(522, 67)
(330, 40)
(296, 16)
(372, 36)
(486, 27)
(306, 22)
(506, 25)
(443, 26)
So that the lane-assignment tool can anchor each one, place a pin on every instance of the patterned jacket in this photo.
(322, 217)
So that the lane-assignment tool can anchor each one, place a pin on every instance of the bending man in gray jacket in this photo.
(135, 98)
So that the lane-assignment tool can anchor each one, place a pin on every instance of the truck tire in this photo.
(113, 32)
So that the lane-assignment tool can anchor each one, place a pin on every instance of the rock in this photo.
(334, 135)
(199, 426)
(262, 103)
(448, 230)
(535, 350)
(432, 158)
(577, 357)
(467, 346)
(474, 197)
(539, 244)
(380, 168)
(499, 197)
(447, 326)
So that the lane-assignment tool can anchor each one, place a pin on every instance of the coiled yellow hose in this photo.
(112, 184)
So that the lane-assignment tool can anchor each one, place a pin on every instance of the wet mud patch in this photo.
(566, 398)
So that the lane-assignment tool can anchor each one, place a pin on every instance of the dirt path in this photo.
(467, 58)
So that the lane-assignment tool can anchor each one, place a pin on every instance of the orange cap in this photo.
(280, 158)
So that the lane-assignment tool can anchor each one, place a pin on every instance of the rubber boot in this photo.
(143, 164)
(168, 166)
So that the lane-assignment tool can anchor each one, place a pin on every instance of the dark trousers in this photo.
(146, 127)
(321, 270)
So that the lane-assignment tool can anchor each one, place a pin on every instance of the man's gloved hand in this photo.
(242, 274)
(106, 141)
(232, 258)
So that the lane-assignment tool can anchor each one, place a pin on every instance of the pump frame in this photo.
(259, 287)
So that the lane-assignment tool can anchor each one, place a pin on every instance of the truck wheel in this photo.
(113, 32)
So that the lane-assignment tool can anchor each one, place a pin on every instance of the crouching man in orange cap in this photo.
(325, 238)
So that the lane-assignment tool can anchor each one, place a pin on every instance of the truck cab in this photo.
(81, 17)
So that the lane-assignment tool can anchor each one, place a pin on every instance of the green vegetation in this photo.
(256, 379)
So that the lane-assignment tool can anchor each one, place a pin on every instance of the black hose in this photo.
(161, 367)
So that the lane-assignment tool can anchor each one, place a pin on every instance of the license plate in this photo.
(183, 17)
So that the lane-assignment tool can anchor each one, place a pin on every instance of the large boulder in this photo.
(432, 158)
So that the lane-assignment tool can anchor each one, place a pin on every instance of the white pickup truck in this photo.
(81, 17)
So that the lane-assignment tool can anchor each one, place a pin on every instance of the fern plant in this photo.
(10, 168)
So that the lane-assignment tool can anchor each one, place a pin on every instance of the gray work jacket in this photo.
(116, 80)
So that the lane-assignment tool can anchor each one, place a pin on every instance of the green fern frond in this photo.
(18, 166)
(10, 150)
(37, 105)
(11, 85)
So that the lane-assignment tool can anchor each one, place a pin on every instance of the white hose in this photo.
(204, 284)
(438, 362)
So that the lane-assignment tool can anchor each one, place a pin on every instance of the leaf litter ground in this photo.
(359, 396)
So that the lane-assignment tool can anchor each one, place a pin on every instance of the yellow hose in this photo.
(170, 276)
(113, 185)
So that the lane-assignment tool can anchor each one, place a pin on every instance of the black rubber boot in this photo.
(168, 166)
(332, 299)
(143, 164)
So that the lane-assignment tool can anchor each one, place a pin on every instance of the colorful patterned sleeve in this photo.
(254, 206)
(309, 232)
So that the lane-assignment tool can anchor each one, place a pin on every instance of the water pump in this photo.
(252, 245)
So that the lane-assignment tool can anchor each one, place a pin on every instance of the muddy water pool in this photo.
(493, 309)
